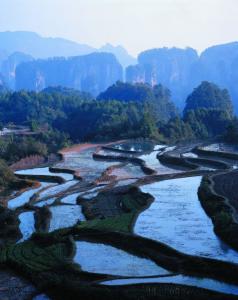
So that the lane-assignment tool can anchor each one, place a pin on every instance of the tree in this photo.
(209, 96)
(231, 133)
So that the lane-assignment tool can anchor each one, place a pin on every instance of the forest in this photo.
(60, 116)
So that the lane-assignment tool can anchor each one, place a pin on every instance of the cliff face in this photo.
(219, 64)
(9, 65)
(170, 67)
(181, 70)
(2, 84)
(91, 73)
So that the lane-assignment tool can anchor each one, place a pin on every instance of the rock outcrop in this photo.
(91, 73)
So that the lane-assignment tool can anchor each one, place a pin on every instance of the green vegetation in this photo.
(6, 175)
(40, 259)
(208, 112)
(123, 111)
(76, 114)
(158, 97)
(107, 120)
(9, 226)
(207, 122)
(231, 133)
(220, 212)
(118, 223)
(13, 148)
(177, 130)
(209, 96)
(59, 116)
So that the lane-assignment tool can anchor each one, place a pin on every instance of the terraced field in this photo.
(226, 184)
(73, 236)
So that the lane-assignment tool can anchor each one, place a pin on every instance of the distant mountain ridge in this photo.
(121, 54)
(91, 73)
(181, 70)
(167, 66)
(9, 65)
(40, 47)
(21, 46)
(37, 46)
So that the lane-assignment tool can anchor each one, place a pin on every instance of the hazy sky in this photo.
(135, 24)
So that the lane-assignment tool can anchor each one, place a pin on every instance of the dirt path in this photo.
(84, 146)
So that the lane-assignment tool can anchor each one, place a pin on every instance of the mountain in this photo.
(9, 65)
(2, 84)
(181, 70)
(3, 56)
(219, 64)
(121, 54)
(91, 73)
(170, 67)
(40, 47)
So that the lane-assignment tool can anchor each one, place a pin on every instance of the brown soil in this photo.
(81, 147)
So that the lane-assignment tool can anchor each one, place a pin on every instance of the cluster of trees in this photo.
(208, 113)
(106, 120)
(7, 177)
(60, 115)
(14, 147)
(25, 107)
(158, 97)
(231, 133)
(84, 118)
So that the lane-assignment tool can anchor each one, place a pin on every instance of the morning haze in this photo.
(118, 149)
(135, 24)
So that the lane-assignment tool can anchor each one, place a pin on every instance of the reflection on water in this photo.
(90, 169)
(27, 224)
(152, 162)
(180, 279)
(25, 197)
(58, 188)
(44, 171)
(71, 199)
(190, 155)
(65, 216)
(135, 146)
(104, 259)
(46, 202)
(177, 219)
(221, 147)
(125, 182)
